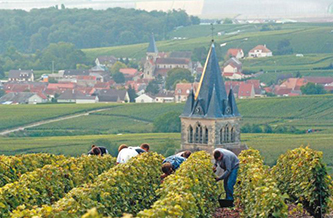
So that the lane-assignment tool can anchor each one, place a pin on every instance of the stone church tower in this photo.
(210, 118)
(151, 56)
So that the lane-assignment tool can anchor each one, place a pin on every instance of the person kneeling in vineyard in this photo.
(185, 154)
(103, 150)
(229, 162)
(171, 164)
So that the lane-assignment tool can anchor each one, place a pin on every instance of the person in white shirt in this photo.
(126, 153)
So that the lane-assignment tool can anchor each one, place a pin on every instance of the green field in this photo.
(303, 112)
(304, 38)
(16, 115)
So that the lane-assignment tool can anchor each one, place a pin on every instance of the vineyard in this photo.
(42, 185)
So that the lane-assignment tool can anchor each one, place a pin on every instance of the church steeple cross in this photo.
(212, 29)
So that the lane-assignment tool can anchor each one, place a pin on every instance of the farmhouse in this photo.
(232, 69)
(23, 98)
(105, 61)
(145, 98)
(21, 75)
(74, 96)
(260, 51)
(210, 118)
(183, 90)
(235, 52)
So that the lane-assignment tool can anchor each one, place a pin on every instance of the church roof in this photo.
(152, 45)
(211, 99)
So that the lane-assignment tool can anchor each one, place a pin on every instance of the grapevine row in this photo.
(126, 188)
(50, 183)
(190, 192)
(256, 189)
(12, 167)
(302, 175)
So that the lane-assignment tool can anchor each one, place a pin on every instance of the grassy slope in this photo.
(302, 112)
(16, 115)
(304, 38)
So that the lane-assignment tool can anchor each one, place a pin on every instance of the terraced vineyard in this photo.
(135, 188)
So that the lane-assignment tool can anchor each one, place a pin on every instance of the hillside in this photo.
(303, 113)
(304, 38)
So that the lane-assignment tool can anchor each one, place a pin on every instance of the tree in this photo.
(199, 54)
(227, 21)
(2, 92)
(177, 75)
(168, 122)
(284, 47)
(118, 77)
(268, 128)
(132, 94)
(2, 73)
(313, 89)
(117, 66)
(153, 87)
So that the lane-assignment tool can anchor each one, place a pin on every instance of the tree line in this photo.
(85, 28)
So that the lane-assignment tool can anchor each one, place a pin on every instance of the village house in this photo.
(36, 87)
(235, 52)
(105, 61)
(165, 97)
(145, 98)
(182, 91)
(130, 73)
(155, 64)
(21, 75)
(23, 98)
(112, 95)
(260, 51)
(232, 69)
(246, 90)
(74, 96)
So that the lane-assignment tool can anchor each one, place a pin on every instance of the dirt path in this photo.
(7, 131)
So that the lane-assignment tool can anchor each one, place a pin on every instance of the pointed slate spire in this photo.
(189, 104)
(152, 45)
(211, 77)
(232, 103)
(214, 109)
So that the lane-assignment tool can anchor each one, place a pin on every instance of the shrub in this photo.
(302, 175)
(256, 189)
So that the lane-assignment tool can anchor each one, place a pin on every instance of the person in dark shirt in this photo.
(94, 151)
(171, 164)
(229, 162)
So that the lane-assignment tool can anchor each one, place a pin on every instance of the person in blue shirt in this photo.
(171, 164)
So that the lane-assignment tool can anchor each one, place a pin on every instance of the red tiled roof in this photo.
(245, 89)
(185, 88)
(86, 77)
(319, 80)
(128, 71)
(61, 86)
(234, 51)
(263, 49)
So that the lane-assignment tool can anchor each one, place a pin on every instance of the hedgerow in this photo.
(302, 175)
(256, 190)
(52, 182)
(190, 192)
(12, 167)
(126, 188)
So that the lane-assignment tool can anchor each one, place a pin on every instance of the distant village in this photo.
(97, 85)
